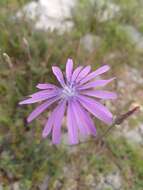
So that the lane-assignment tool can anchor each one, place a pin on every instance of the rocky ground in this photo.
(107, 34)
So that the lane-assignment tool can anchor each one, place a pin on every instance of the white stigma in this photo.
(68, 91)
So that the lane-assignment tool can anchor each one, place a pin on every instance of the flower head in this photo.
(77, 97)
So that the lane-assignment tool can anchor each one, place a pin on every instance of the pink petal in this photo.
(51, 121)
(85, 118)
(46, 86)
(79, 120)
(56, 134)
(38, 98)
(93, 84)
(96, 108)
(72, 128)
(103, 94)
(59, 75)
(92, 75)
(42, 93)
(41, 108)
(49, 125)
(83, 73)
(76, 73)
(69, 69)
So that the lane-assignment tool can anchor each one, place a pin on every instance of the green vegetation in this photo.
(26, 57)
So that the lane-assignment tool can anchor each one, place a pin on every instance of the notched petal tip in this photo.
(69, 69)
(69, 65)
(55, 69)
(110, 80)
(106, 65)
(38, 85)
(41, 86)
(22, 102)
(44, 135)
(70, 60)
(102, 69)
(28, 120)
(19, 103)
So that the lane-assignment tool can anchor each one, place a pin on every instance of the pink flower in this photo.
(76, 97)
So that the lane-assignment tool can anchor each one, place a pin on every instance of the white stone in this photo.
(112, 181)
(90, 42)
(110, 10)
(49, 14)
(136, 36)
(1, 188)
(134, 135)
(45, 184)
(16, 186)
(133, 33)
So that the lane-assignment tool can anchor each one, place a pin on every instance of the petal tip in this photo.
(44, 135)
(107, 66)
(54, 68)
(29, 120)
(21, 103)
(69, 59)
(37, 86)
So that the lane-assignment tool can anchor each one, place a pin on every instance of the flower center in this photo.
(69, 91)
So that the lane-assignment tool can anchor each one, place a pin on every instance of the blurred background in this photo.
(34, 35)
